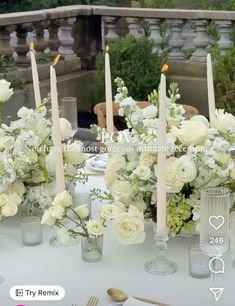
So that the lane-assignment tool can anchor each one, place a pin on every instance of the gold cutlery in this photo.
(93, 301)
(120, 296)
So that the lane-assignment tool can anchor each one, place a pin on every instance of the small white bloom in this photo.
(143, 172)
(108, 211)
(95, 227)
(185, 169)
(82, 211)
(16, 187)
(50, 162)
(150, 112)
(128, 102)
(65, 129)
(57, 212)
(114, 163)
(47, 217)
(5, 91)
(202, 119)
(73, 153)
(147, 159)
(63, 199)
(222, 121)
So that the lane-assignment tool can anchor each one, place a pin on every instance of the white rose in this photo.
(121, 190)
(9, 204)
(200, 118)
(150, 112)
(9, 210)
(115, 163)
(57, 212)
(185, 169)
(191, 132)
(50, 162)
(63, 199)
(95, 227)
(47, 217)
(82, 211)
(108, 211)
(65, 129)
(5, 91)
(147, 159)
(73, 153)
(128, 227)
(3, 199)
(142, 172)
(223, 121)
(16, 187)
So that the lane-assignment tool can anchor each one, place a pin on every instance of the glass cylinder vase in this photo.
(69, 110)
(198, 262)
(31, 229)
(214, 220)
(92, 248)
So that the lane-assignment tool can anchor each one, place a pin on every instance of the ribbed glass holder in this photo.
(161, 264)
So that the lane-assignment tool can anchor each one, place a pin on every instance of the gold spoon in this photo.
(120, 296)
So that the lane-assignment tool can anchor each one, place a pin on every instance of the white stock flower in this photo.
(65, 129)
(128, 102)
(5, 91)
(150, 112)
(147, 159)
(191, 132)
(63, 199)
(82, 211)
(47, 217)
(128, 227)
(115, 163)
(108, 211)
(73, 153)
(95, 228)
(185, 169)
(143, 172)
(223, 121)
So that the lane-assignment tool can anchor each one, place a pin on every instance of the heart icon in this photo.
(216, 221)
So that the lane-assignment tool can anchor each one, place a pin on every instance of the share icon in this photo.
(217, 292)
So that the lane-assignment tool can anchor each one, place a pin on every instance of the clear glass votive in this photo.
(82, 198)
(198, 262)
(232, 237)
(69, 110)
(92, 248)
(31, 230)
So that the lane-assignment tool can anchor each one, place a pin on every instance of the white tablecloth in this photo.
(121, 267)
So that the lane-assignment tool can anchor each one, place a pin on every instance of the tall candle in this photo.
(108, 93)
(36, 88)
(161, 179)
(210, 87)
(56, 136)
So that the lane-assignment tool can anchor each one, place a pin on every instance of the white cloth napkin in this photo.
(133, 302)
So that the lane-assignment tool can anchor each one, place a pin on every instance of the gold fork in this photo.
(93, 301)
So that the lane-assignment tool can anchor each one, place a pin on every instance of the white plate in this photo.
(97, 162)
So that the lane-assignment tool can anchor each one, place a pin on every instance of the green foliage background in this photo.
(132, 60)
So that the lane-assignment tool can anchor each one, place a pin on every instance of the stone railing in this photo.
(84, 30)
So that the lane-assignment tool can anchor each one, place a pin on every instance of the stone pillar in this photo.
(22, 47)
(133, 26)
(201, 41)
(40, 42)
(53, 42)
(5, 46)
(155, 34)
(110, 29)
(225, 28)
(66, 38)
(177, 41)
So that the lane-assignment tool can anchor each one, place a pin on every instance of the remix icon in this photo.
(19, 292)
(217, 292)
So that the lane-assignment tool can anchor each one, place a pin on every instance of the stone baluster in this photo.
(225, 28)
(176, 41)
(155, 34)
(40, 42)
(21, 47)
(201, 41)
(53, 42)
(110, 29)
(66, 38)
(133, 26)
(5, 46)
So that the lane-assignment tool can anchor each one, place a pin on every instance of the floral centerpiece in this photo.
(27, 157)
(198, 156)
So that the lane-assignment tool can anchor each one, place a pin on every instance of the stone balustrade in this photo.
(84, 30)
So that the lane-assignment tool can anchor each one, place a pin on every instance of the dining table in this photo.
(121, 267)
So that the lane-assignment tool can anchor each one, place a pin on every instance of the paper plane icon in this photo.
(217, 292)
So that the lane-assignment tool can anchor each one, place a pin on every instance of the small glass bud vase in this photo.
(31, 230)
(198, 262)
(92, 248)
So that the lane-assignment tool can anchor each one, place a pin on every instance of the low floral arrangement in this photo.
(27, 157)
(198, 156)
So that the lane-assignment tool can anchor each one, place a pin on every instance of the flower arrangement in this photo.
(27, 162)
(198, 156)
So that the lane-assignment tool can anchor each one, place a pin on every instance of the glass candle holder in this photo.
(69, 110)
(198, 262)
(92, 248)
(31, 230)
(232, 236)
